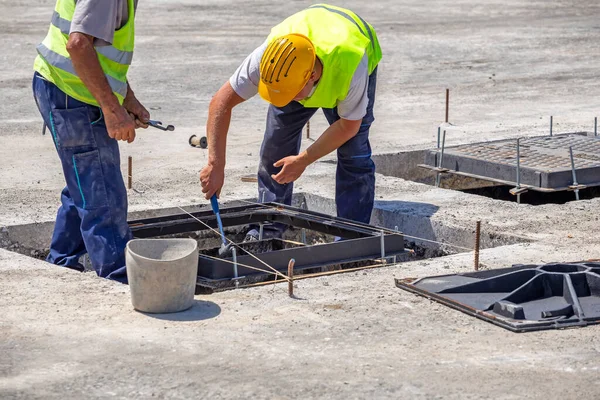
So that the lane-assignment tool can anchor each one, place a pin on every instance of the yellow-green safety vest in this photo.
(341, 39)
(54, 62)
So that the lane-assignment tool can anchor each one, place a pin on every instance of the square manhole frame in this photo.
(360, 241)
(457, 161)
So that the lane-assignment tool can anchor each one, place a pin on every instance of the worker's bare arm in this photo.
(212, 175)
(119, 124)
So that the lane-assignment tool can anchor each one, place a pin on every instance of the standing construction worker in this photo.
(81, 89)
(322, 57)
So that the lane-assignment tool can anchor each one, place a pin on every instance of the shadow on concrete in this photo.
(199, 311)
(411, 218)
(412, 208)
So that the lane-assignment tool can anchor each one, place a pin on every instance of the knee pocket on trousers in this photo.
(72, 128)
(91, 188)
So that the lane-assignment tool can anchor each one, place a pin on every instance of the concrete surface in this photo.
(509, 64)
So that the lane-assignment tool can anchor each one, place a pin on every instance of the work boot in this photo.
(251, 236)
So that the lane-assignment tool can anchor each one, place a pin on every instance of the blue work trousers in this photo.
(355, 176)
(93, 214)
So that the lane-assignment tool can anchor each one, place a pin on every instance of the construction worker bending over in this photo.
(322, 57)
(81, 89)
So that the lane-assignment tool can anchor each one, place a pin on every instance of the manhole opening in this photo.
(33, 240)
(426, 239)
(502, 192)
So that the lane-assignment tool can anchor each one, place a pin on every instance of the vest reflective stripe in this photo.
(65, 64)
(348, 17)
(61, 23)
(118, 56)
(121, 57)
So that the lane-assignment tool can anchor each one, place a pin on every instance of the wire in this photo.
(275, 272)
(236, 263)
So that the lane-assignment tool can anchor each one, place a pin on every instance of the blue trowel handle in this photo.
(215, 207)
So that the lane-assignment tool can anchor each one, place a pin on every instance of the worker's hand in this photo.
(119, 124)
(212, 179)
(137, 111)
(293, 167)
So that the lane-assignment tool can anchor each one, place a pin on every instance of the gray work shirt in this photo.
(100, 19)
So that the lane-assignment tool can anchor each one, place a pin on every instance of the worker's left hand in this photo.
(137, 111)
(293, 167)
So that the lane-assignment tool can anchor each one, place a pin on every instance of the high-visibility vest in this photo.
(341, 39)
(54, 62)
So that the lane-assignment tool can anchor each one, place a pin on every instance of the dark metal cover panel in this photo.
(522, 298)
(545, 160)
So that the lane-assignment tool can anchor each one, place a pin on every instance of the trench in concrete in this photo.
(405, 165)
(427, 237)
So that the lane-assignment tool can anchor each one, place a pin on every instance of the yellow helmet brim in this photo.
(275, 97)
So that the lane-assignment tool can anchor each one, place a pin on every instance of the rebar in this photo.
(291, 276)
(438, 176)
(235, 267)
(518, 170)
(477, 241)
(382, 246)
(447, 104)
(395, 257)
(129, 172)
(575, 184)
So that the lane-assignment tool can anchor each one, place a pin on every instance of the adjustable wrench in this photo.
(159, 125)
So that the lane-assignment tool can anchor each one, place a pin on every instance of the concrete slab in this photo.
(71, 335)
(509, 65)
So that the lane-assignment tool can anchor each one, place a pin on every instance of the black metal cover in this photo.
(545, 161)
(361, 241)
(522, 298)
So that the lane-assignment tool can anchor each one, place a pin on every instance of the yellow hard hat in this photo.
(285, 68)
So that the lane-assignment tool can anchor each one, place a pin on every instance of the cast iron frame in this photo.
(361, 241)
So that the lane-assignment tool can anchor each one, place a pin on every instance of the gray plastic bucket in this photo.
(162, 274)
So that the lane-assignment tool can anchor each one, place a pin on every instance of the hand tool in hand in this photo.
(225, 250)
(159, 125)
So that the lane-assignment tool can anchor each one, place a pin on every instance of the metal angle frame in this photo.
(361, 241)
(538, 179)
(504, 182)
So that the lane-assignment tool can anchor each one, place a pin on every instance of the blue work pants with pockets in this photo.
(93, 214)
(355, 176)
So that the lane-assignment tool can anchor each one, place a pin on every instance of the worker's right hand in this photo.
(119, 124)
(212, 178)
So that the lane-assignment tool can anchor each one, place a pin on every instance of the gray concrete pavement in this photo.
(509, 64)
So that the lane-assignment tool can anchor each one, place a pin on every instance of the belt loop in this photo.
(66, 101)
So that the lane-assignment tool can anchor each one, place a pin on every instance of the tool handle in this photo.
(215, 207)
(214, 202)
